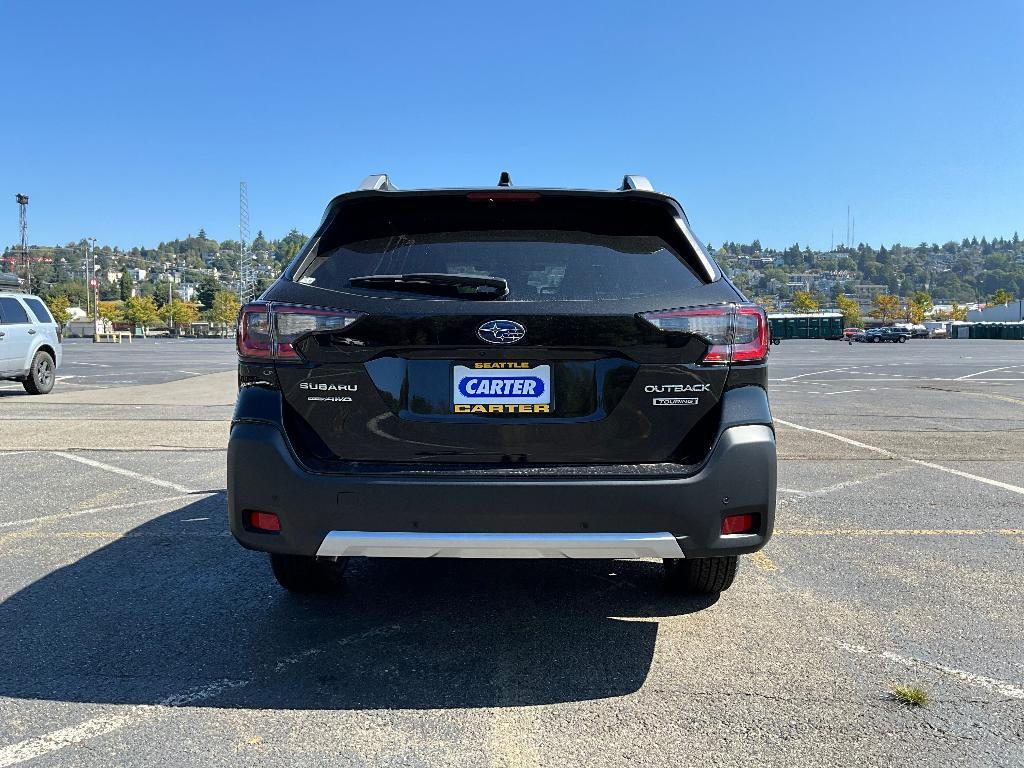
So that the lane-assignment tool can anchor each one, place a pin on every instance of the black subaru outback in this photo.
(502, 372)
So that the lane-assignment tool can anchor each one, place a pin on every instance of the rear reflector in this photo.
(270, 330)
(267, 522)
(739, 524)
(734, 333)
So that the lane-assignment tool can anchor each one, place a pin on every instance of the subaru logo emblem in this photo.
(501, 332)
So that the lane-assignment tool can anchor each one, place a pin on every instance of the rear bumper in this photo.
(446, 515)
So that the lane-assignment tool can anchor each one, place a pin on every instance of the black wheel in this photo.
(876, 340)
(41, 375)
(903, 339)
(305, 574)
(701, 576)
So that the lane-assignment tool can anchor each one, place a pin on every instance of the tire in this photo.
(903, 339)
(701, 576)
(304, 574)
(41, 374)
(876, 340)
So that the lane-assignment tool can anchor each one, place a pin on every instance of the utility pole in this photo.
(93, 287)
(23, 226)
(170, 301)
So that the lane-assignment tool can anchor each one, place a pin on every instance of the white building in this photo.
(998, 313)
(188, 291)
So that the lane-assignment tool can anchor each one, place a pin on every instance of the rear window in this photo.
(12, 312)
(546, 250)
(39, 310)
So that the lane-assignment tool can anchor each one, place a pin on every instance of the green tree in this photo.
(851, 311)
(125, 286)
(804, 302)
(1001, 296)
(886, 308)
(957, 312)
(207, 289)
(141, 310)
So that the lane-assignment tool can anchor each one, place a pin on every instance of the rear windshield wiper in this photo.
(475, 287)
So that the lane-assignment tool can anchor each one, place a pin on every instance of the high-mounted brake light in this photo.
(270, 330)
(735, 333)
(504, 197)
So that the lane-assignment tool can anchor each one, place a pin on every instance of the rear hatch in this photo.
(500, 328)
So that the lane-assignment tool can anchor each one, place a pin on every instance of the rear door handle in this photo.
(31, 331)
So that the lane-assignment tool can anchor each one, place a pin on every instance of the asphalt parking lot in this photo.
(136, 632)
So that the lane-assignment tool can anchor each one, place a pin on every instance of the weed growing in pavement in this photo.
(910, 695)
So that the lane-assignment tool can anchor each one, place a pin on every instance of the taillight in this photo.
(254, 339)
(291, 322)
(269, 330)
(735, 333)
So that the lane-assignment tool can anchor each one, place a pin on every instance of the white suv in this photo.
(29, 342)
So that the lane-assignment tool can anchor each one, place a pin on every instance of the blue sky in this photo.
(134, 122)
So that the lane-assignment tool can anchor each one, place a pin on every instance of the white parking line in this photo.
(844, 484)
(122, 471)
(990, 370)
(1002, 687)
(812, 373)
(891, 455)
(23, 751)
(93, 510)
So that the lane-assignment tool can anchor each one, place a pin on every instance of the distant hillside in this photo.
(970, 270)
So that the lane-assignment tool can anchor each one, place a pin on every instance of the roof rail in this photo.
(641, 183)
(377, 181)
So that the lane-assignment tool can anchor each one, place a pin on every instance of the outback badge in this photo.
(501, 332)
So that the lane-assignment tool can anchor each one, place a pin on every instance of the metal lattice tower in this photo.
(246, 276)
(23, 227)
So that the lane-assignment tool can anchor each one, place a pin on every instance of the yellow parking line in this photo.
(763, 562)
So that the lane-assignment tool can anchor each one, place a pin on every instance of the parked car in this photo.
(30, 342)
(895, 335)
(850, 332)
(502, 372)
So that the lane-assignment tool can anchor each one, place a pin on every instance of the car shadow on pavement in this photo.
(176, 611)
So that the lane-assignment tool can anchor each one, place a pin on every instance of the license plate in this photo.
(505, 387)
